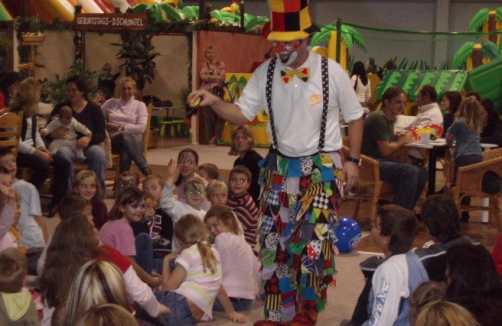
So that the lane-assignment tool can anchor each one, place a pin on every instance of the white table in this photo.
(433, 147)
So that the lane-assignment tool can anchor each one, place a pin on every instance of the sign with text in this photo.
(110, 22)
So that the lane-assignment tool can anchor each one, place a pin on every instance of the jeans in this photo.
(180, 315)
(409, 179)
(238, 303)
(41, 171)
(130, 148)
(96, 158)
(144, 252)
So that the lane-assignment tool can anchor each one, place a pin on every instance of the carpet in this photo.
(341, 300)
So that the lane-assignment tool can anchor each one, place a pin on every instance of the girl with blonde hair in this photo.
(444, 313)
(195, 282)
(466, 132)
(106, 315)
(97, 282)
(86, 185)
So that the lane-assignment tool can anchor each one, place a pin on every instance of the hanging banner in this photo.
(110, 22)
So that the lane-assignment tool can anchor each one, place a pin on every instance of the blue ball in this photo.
(348, 234)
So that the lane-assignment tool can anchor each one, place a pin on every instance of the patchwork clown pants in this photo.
(299, 207)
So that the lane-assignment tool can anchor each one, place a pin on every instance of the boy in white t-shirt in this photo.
(31, 224)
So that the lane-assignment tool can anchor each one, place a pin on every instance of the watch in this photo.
(354, 160)
(121, 128)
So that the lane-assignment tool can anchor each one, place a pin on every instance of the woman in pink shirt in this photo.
(126, 122)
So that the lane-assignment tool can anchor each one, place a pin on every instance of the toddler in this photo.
(160, 226)
(242, 204)
(67, 121)
(16, 306)
(236, 257)
(193, 190)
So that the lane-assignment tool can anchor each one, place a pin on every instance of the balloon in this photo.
(348, 234)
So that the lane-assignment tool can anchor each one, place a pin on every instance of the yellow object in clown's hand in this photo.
(194, 103)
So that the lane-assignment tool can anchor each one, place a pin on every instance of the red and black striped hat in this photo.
(290, 20)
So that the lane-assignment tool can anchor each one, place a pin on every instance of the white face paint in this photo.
(286, 51)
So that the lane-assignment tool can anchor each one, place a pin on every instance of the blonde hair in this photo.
(124, 80)
(444, 313)
(97, 282)
(27, 97)
(86, 174)
(423, 294)
(154, 177)
(106, 315)
(225, 215)
(209, 48)
(247, 132)
(190, 230)
(215, 185)
(469, 110)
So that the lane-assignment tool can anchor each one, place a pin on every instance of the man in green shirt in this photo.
(379, 142)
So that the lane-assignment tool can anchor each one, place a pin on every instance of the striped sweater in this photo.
(247, 213)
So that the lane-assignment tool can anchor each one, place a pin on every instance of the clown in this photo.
(303, 177)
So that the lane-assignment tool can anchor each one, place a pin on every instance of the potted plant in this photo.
(138, 52)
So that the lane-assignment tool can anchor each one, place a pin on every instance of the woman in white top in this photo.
(361, 84)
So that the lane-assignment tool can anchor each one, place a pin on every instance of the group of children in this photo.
(168, 239)
(163, 235)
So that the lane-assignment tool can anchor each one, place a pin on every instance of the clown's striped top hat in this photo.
(290, 20)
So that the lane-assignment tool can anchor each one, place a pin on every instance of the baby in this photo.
(67, 121)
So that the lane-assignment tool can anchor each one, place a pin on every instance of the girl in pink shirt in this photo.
(195, 282)
(236, 257)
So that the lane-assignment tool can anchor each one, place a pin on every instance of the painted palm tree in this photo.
(327, 37)
(486, 21)
(471, 55)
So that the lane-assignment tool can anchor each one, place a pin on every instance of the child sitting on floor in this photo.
(16, 306)
(126, 179)
(86, 185)
(192, 287)
(31, 224)
(160, 227)
(236, 256)
(188, 163)
(194, 191)
(242, 204)
(71, 124)
(394, 280)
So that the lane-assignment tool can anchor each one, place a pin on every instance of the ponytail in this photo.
(208, 259)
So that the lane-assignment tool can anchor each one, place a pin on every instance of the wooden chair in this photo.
(369, 187)
(469, 183)
(10, 130)
(115, 160)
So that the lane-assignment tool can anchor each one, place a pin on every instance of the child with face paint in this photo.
(193, 190)
(118, 233)
(188, 162)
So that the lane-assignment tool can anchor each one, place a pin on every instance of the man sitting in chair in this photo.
(379, 142)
